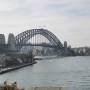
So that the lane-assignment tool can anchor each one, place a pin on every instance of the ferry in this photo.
(12, 86)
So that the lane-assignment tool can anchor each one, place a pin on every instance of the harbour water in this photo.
(71, 73)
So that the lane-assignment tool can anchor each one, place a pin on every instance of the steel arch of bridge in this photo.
(23, 37)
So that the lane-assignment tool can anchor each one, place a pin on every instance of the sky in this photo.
(68, 19)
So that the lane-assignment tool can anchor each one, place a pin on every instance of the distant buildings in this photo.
(82, 51)
(11, 42)
(9, 57)
(2, 39)
(9, 46)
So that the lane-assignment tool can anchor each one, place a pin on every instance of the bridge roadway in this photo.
(43, 45)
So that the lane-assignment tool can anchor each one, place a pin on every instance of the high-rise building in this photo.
(2, 39)
(11, 42)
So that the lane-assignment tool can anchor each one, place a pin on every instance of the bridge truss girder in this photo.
(23, 37)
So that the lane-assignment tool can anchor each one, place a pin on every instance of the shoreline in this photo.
(15, 68)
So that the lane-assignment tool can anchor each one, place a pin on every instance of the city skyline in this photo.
(68, 20)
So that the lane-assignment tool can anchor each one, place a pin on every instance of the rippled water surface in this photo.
(71, 72)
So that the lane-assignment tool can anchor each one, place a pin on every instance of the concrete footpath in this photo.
(60, 88)
(46, 88)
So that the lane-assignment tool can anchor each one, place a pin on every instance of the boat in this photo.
(12, 86)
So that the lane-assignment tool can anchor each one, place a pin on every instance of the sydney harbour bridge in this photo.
(33, 38)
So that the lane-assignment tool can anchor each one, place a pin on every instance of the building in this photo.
(11, 42)
(2, 39)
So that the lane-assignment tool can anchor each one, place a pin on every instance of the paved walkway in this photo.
(46, 88)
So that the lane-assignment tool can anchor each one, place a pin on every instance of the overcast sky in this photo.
(69, 20)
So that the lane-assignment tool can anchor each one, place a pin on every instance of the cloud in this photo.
(44, 7)
(68, 19)
(23, 7)
(71, 7)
